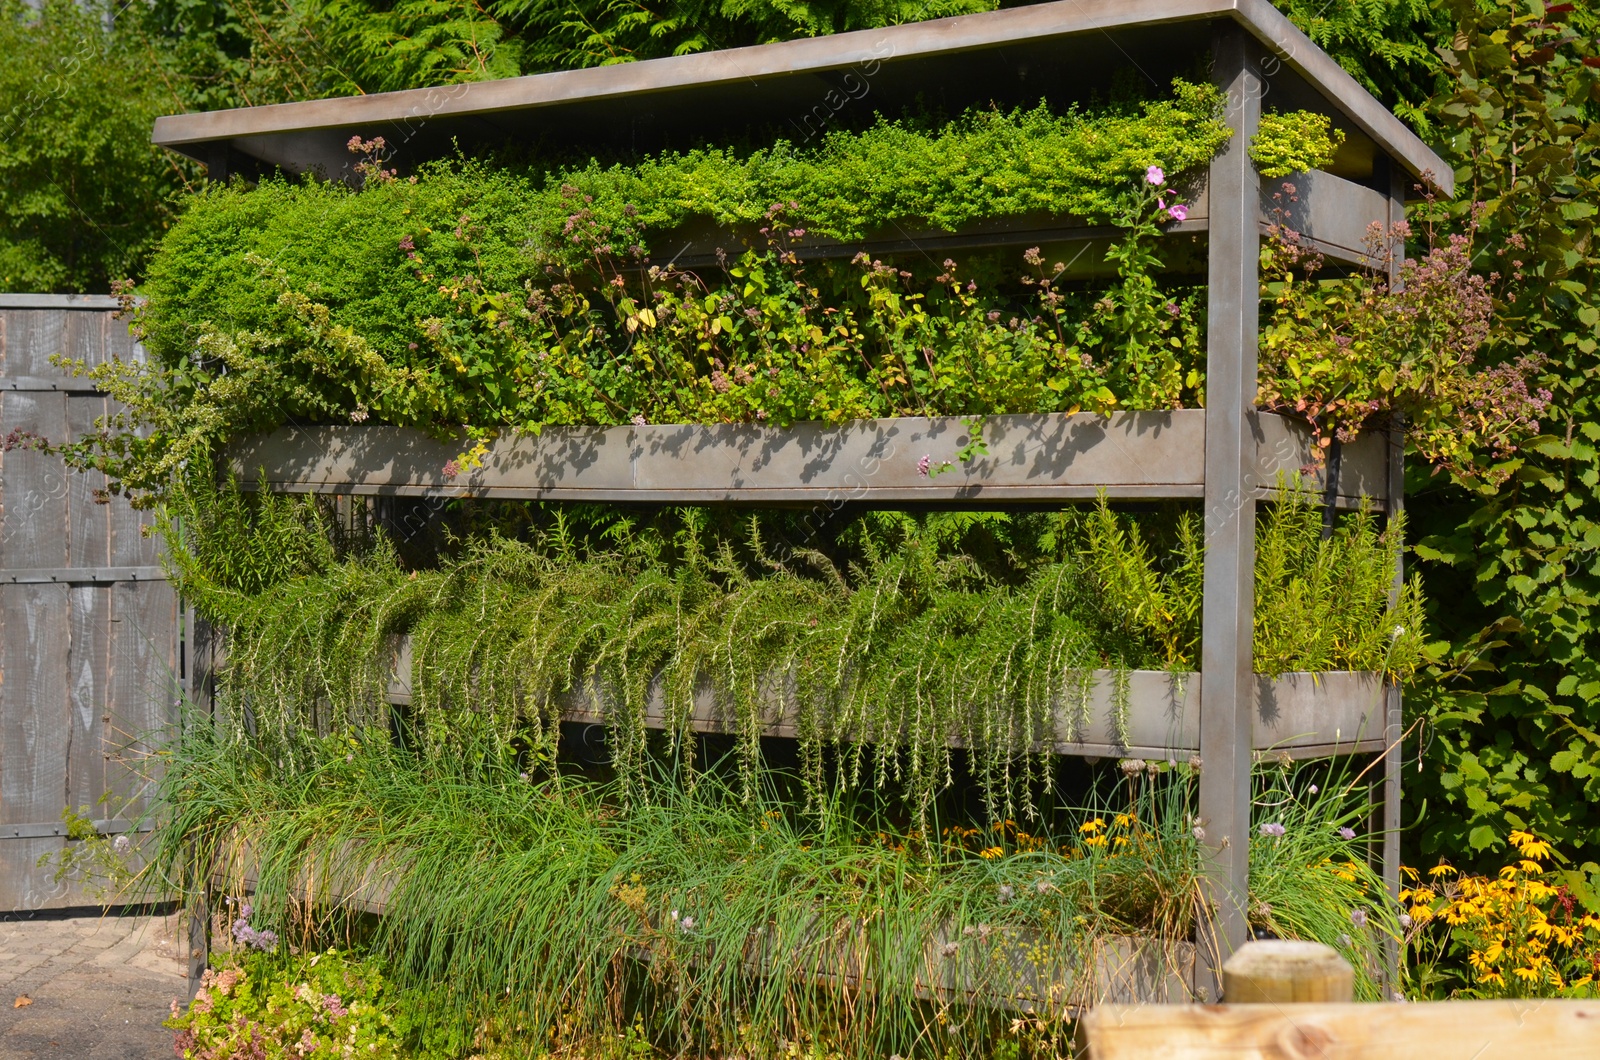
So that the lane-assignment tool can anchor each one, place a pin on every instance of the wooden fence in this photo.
(90, 654)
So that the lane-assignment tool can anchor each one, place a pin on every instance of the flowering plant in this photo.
(329, 1004)
(1371, 351)
(1523, 932)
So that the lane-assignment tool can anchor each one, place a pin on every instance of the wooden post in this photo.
(1278, 971)
(200, 667)
(1389, 864)
(1226, 671)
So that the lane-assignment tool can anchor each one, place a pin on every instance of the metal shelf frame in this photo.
(1226, 456)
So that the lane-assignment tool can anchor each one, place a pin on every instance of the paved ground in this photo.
(99, 986)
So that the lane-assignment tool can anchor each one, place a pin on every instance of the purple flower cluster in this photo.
(249, 937)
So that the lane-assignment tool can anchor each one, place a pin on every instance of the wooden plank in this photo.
(78, 385)
(1304, 715)
(1284, 448)
(88, 662)
(142, 676)
(1465, 1029)
(1044, 457)
(33, 485)
(1333, 215)
(27, 300)
(1037, 458)
(34, 735)
(31, 337)
(1393, 765)
(1285, 971)
(88, 507)
(80, 575)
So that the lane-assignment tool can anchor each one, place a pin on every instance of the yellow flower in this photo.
(1441, 870)
(1092, 826)
(1530, 846)
(991, 853)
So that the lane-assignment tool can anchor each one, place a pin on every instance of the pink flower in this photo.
(451, 469)
(1178, 212)
(1154, 175)
(923, 465)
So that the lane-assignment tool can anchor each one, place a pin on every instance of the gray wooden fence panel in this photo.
(88, 658)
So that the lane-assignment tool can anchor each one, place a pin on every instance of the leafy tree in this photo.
(1389, 46)
(392, 44)
(83, 193)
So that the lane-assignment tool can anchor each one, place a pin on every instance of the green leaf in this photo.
(1483, 838)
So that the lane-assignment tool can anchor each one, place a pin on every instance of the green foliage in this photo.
(496, 297)
(215, 54)
(520, 897)
(263, 1006)
(1511, 706)
(82, 191)
(1389, 46)
(417, 43)
(1312, 879)
(1317, 597)
(882, 646)
(1359, 352)
(1295, 142)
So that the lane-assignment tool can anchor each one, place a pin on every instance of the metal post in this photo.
(1226, 673)
(1389, 866)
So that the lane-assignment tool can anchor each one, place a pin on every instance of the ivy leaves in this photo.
(1511, 699)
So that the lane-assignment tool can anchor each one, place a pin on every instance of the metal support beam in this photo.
(80, 575)
(1226, 672)
(30, 384)
(46, 829)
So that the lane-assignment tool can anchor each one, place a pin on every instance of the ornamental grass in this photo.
(555, 909)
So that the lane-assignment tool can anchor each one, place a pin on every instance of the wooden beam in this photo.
(1045, 458)
(300, 136)
(1302, 715)
(1469, 1030)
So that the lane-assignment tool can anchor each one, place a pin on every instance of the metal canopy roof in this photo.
(1067, 49)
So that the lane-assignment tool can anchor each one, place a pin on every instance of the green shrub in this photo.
(499, 297)
(1293, 143)
(82, 190)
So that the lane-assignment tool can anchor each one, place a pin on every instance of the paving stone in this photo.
(102, 993)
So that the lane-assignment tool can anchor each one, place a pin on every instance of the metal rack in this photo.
(1226, 456)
